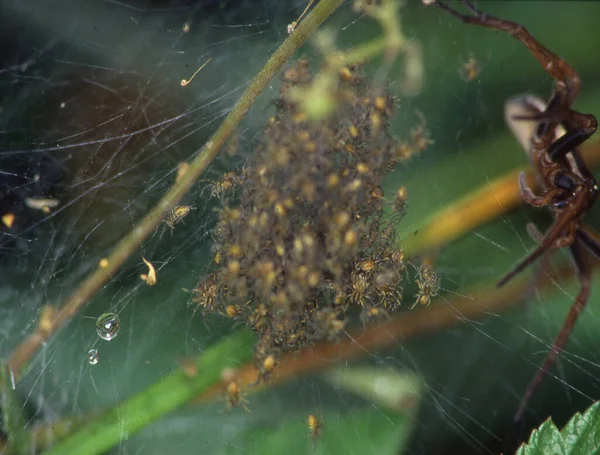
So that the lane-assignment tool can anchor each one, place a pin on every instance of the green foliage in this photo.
(14, 420)
(381, 424)
(580, 436)
(359, 431)
(166, 395)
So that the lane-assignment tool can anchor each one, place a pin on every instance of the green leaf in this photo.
(581, 436)
(382, 425)
(15, 424)
(362, 430)
(161, 398)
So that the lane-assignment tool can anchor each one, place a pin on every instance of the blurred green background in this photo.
(112, 150)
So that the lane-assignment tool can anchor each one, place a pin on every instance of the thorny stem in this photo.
(132, 241)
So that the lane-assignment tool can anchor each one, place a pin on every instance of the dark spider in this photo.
(568, 187)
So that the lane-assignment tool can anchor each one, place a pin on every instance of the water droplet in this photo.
(93, 356)
(108, 326)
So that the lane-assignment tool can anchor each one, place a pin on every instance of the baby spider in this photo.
(314, 427)
(419, 140)
(429, 285)
(359, 289)
(235, 398)
(470, 70)
(177, 215)
(420, 136)
(400, 204)
(229, 181)
(206, 293)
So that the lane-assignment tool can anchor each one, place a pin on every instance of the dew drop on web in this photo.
(93, 357)
(108, 326)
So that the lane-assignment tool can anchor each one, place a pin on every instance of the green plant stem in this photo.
(362, 52)
(157, 400)
(132, 241)
(318, 99)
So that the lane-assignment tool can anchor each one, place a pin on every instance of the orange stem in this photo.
(379, 336)
(479, 207)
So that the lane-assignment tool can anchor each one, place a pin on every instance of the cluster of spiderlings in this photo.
(307, 241)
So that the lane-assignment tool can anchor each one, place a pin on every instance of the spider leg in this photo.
(558, 113)
(566, 77)
(544, 263)
(572, 139)
(584, 275)
(580, 164)
(526, 193)
(578, 126)
(537, 201)
(551, 113)
(548, 242)
(534, 232)
(542, 266)
(590, 239)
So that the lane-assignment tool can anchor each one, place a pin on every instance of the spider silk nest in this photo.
(307, 241)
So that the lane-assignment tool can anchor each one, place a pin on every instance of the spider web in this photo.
(93, 117)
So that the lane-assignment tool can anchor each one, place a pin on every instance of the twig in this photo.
(378, 336)
(130, 243)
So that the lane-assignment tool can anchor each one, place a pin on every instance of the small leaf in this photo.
(580, 436)
(582, 433)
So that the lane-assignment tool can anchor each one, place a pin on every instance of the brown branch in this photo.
(480, 302)
(130, 243)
